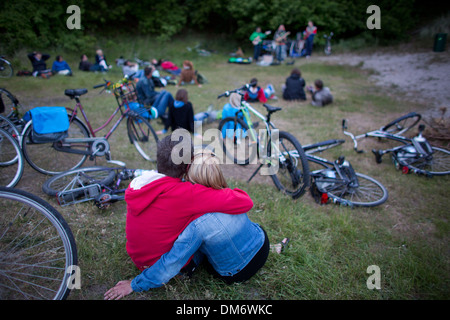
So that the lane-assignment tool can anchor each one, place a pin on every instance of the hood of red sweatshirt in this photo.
(144, 189)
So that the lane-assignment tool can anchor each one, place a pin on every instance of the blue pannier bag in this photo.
(151, 113)
(50, 124)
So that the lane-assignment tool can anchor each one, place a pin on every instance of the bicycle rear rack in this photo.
(78, 195)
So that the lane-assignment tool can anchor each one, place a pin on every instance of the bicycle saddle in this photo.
(72, 93)
(270, 108)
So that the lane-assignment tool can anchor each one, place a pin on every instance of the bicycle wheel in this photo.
(44, 158)
(6, 69)
(239, 144)
(363, 192)
(11, 160)
(142, 136)
(79, 185)
(38, 254)
(436, 164)
(11, 105)
(9, 126)
(402, 124)
(292, 175)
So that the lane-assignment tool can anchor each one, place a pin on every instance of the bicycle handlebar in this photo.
(108, 83)
(355, 142)
(100, 85)
(227, 93)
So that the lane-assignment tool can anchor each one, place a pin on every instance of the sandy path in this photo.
(420, 76)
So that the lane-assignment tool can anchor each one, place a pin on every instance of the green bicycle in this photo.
(279, 152)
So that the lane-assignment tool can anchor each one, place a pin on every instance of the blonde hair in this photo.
(205, 170)
(235, 100)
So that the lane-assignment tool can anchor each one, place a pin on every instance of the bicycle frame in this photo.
(374, 134)
(416, 148)
(108, 121)
(245, 110)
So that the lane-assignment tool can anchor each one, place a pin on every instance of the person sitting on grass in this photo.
(235, 247)
(255, 93)
(294, 87)
(84, 65)
(100, 62)
(321, 96)
(39, 66)
(181, 113)
(61, 67)
(146, 94)
(187, 75)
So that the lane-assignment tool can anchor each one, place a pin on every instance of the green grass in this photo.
(331, 246)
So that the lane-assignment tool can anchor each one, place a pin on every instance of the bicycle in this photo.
(414, 154)
(6, 69)
(337, 182)
(11, 160)
(99, 184)
(327, 49)
(71, 152)
(12, 120)
(38, 253)
(282, 156)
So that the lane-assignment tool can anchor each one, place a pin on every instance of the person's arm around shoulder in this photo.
(230, 201)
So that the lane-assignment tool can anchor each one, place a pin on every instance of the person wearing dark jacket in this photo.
(39, 66)
(84, 65)
(294, 88)
(181, 113)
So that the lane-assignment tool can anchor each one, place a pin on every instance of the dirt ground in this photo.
(418, 75)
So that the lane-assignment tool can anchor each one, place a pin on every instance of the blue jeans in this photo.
(307, 51)
(257, 52)
(281, 52)
(162, 101)
(236, 249)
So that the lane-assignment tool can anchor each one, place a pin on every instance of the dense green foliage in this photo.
(42, 23)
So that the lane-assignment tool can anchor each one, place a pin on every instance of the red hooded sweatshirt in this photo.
(159, 208)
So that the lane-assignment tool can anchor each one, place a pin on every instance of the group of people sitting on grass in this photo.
(60, 66)
(293, 90)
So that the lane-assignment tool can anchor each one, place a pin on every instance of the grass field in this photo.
(331, 247)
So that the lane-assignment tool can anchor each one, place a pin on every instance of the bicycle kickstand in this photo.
(378, 154)
(254, 173)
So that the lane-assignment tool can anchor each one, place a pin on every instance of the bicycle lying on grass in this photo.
(38, 254)
(99, 184)
(337, 182)
(414, 154)
(283, 156)
(81, 142)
